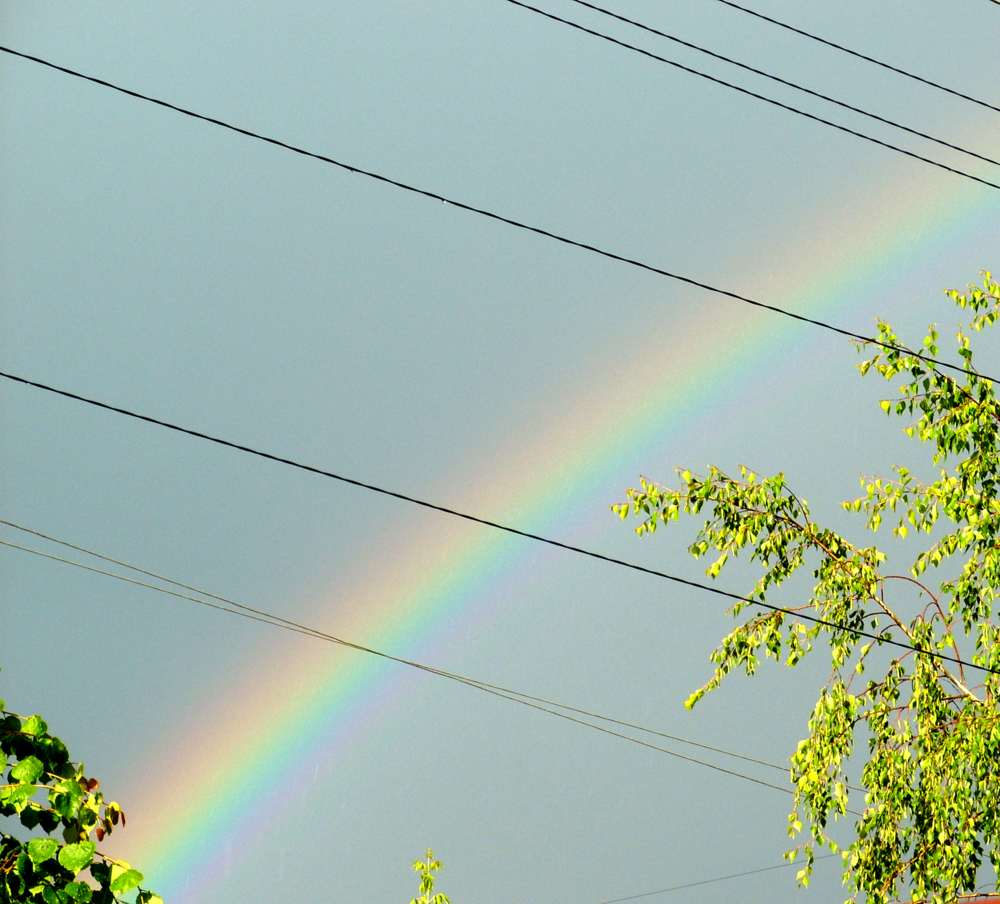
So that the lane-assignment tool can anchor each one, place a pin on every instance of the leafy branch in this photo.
(427, 868)
(931, 779)
(46, 790)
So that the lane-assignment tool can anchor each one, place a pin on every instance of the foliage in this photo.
(931, 776)
(427, 868)
(45, 790)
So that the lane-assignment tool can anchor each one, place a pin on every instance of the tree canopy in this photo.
(48, 793)
(926, 719)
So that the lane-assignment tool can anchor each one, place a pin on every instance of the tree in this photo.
(41, 870)
(427, 868)
(930, 778)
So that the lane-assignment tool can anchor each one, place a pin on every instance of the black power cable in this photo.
(507, 693)
(496, 690)
(770, 100)
(745, 67)
(528, 535)
(509, 221)
(533, 702)
(278, 618)
(860, 56)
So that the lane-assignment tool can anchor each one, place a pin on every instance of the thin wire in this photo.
(507, 693)
(751, 872)
(206, 593)
(776, 103)
(745, 67)
(511, 222)
(496, 525)
(497, 691)
(861, 56)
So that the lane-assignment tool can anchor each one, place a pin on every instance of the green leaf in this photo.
(35, 726)
(51, 896)
(17, 797)
(42, 849)
(76, 857)
(124, 879)
(80, 891)
(28, 770)
(31, 816)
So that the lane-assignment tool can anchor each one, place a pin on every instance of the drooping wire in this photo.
(222, 599)
(745, 67)
(534, 702)
(537, 230)
(513, 696)
(750, 872)
(496, 525)
(860, 56)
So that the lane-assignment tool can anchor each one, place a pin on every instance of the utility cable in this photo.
(508, 694)
(750, 872)
(496, 525)
(513, 696)
(860, 56)
(222, 599)
(745, 67)
(511, 222)
(267, 618)
(778, 103)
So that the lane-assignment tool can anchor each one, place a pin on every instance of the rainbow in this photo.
(332, 697)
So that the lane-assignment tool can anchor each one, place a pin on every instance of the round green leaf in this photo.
(75, 857)
(42, 849)
(79, 891)
(35, 726)
(125, 880)
(28, 770)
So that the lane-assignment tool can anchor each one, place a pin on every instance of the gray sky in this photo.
(168, 266)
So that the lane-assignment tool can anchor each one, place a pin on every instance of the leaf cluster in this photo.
(45, 790)
(930, 780)
(427, 868)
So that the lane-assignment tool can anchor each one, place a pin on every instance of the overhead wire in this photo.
(508, 220)
(718, 56)
(497, 690)
(531, 701)
(222, 599)
(778, 103)
(860, 56)
(505, 528)
(749, 872)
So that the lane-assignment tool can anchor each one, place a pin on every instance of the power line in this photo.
(497, 690)
(509, 694)
(496, 525)
(747, 68)
(861, 56)
(509, 221)
(528, 700)
(750, 872)
(222, 599)
(777, 103)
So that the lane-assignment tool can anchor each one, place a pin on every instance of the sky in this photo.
(167, 266)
